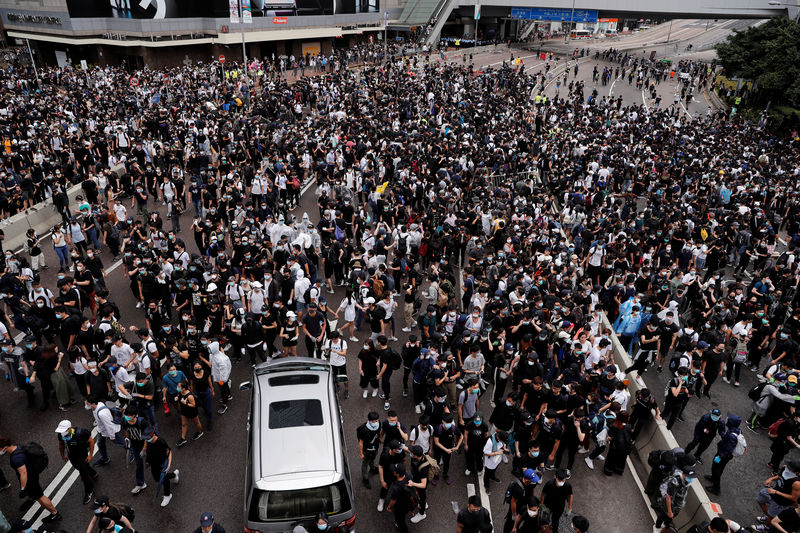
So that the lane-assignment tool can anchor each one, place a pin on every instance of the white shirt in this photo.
(123, 353)
(421, 437)
(105, 421)
(492, 461)
(338, 359)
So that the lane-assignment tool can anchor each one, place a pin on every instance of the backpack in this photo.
(116, 412)
(507, 497)
(684, 342)
(675, 362)
(755, 393)
(35, 456)
(339, 233)
(433, 466)
(740, 352)
(741, 445)
(443, 299)
(396, 359)
(126, 511)
(448, 288)
(773, 429)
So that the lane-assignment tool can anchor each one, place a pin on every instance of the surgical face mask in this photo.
(322, 527)
(715, 418)
(478, 421)
(150, 439)
(509, 403)
(787, 474)
(448, 425)
(533, 512)
(393, 424)
(173, 373)
(534, 454)
(689, 480)
(373, 426)
(560, 483)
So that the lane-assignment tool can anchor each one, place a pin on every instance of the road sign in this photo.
(134, 81)
(554, 14)
(221, 58)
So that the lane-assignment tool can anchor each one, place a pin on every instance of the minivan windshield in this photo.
(290, 505)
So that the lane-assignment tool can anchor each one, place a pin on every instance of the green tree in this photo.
(768, 54)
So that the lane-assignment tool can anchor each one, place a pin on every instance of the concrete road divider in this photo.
(41, 217)
(656, 436)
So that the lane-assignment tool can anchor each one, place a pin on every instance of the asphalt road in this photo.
(212, 469)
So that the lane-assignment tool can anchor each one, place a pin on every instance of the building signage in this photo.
(33, 19)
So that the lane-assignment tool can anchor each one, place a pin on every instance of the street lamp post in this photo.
(669, 33)
(36, 72)
(571, 22)
(244, 48)
(386, 35)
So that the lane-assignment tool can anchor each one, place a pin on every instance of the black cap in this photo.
(395, 444)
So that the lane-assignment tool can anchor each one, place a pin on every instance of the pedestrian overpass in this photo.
(431, 15)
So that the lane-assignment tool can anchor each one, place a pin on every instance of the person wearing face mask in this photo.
(28, 461)
(780, 492)
(106, 510)
(76, 445)
(208, 525)
(393, 454)
(368, 435)
(188, 406)
(549, 432)
(474, 519)
(159, 456)
(557, 496)
(705, 431)
(169, 386)
(532, 517)
(671, 496)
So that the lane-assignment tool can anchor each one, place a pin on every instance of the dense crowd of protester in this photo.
(492, 225)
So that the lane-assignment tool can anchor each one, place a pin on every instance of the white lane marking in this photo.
(484, 497)
(470, 490)
(611, 89)
(644, 101)
(56, 499)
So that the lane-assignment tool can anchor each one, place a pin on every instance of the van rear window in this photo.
(290, 505)
(295, 413)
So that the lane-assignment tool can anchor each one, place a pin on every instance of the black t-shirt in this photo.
(387, 460)
(314, 323)
(713, 360)
(555, 497)
(391, 433)
(370, 438)
(386, 359)
(157, 452)
(419, 469)
(474, 522)
(790, 520)
(77, 445)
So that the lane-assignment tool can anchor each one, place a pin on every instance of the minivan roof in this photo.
(302, 456)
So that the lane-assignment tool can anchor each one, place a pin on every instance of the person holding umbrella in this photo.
(159, 456)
